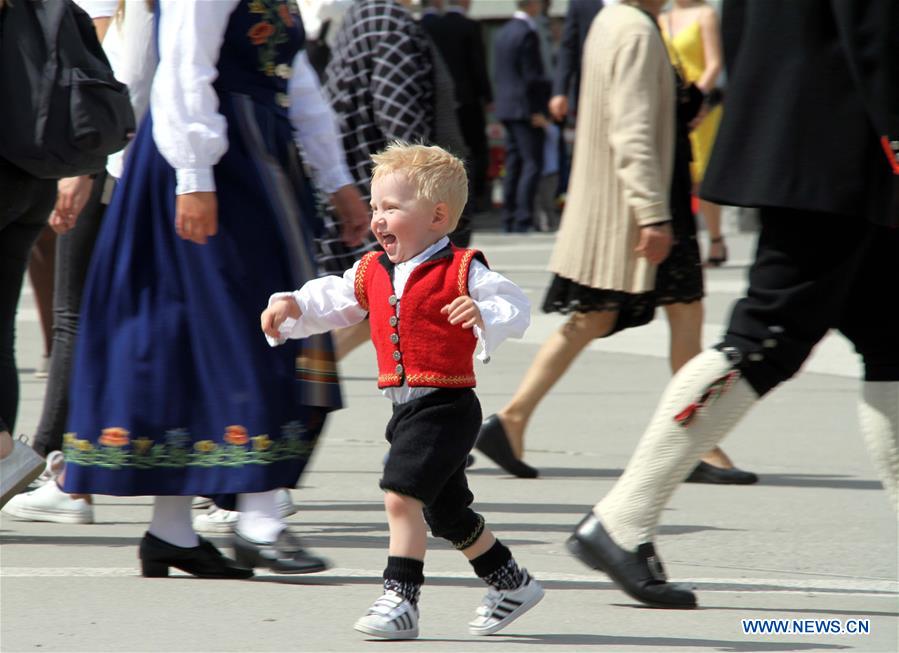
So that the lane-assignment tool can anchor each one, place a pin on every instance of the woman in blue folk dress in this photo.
(175, 393)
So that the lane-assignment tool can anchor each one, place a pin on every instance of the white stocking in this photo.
(172, 521)
(878, 410)
(703, 401)
(259, 520)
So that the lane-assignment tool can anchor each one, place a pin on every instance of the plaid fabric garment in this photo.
(379, 83)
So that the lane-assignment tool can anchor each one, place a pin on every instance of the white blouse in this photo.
(330, 303)
(187, 128)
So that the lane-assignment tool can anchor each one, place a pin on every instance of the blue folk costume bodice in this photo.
(174, 390)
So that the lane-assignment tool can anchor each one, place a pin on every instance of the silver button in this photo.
(392, 300)
(393, 320)
(394, 338)
(399, 369)
(397, 355)
(755, 357)
(769, 343)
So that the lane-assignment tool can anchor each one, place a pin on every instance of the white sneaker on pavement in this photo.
(501, 607)
(50, 503)
(390, 617)
(219, 520)
(18, 469)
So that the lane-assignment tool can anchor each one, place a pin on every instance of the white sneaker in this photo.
(49, 503)
(390, 617)
(501, 607)
(216, 520)
(18, 469)
(53, 467)
(219, 520)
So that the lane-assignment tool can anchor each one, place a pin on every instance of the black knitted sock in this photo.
(405, 576)
(498, 568)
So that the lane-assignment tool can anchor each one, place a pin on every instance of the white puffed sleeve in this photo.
(187, 128)
(315, 127)
(504, 307)
(326, 303)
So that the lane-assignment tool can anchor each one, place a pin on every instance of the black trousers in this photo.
(814, 272)
(473, 126)
(524, 166)
(430, 439)
(73, 257)
(25, 205)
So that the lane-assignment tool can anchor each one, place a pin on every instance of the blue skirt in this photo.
(175, 390)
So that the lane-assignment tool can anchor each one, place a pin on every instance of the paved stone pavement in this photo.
(815, 540)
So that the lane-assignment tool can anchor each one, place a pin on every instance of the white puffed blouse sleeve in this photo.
(188, 129)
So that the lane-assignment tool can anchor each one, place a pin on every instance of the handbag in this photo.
(64, 112)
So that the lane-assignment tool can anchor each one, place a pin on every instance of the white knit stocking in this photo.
(172, 521)
(703, 401)
(878, 411)
(259, 520)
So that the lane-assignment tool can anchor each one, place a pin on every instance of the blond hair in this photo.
(436, 174)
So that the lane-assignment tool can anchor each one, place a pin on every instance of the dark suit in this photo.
(522, 90)
(813, 95)
(568, 67)
(460, 42)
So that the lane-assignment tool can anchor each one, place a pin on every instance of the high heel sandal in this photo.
(717, 261)
(203, 560)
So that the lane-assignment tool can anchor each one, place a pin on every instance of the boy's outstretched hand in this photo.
(274, 316)
(463, 309)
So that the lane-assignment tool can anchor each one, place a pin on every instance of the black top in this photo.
(813, 90)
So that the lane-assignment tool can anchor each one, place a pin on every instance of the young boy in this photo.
(429, 304)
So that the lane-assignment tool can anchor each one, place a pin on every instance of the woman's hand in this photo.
(353, 214)
(655, 242)
(72, 194)
(196, 216)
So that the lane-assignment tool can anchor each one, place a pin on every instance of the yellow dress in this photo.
(686, 52)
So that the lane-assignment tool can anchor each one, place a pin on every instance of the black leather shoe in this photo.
(494, 443)
(285, 555)
(639, 574)
(705, 473)
(203, 560)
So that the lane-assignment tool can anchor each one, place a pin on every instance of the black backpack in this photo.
(62, 112)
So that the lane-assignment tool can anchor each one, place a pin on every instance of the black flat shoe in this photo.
(494, 443)
(639, 574)
(203, 560)
(285, 555)
(705, 473)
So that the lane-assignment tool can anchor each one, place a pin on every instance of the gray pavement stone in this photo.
(814, 540)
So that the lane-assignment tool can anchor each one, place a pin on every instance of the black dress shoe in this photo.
(639, 574)
(705, 473)
(494, 443)
(203, 560)
(285, 555)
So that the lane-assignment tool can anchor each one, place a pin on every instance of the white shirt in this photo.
(316, 12)
(330, 303)
(187, 128)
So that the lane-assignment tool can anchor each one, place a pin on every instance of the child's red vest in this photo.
(419, 346)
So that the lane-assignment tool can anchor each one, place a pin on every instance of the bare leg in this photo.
(685, 323)
(548, 366)
(711, 214)
(6, 444)
(348, 338)
(408, 531)
(481, 545)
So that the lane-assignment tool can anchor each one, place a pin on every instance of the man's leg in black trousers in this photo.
(25, 205)
(800, 284)
(531, 142)
(512, 173)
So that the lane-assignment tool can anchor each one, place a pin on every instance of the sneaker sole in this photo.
(384, 634)
(23, 482)
(512, 616)
(32, 514)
